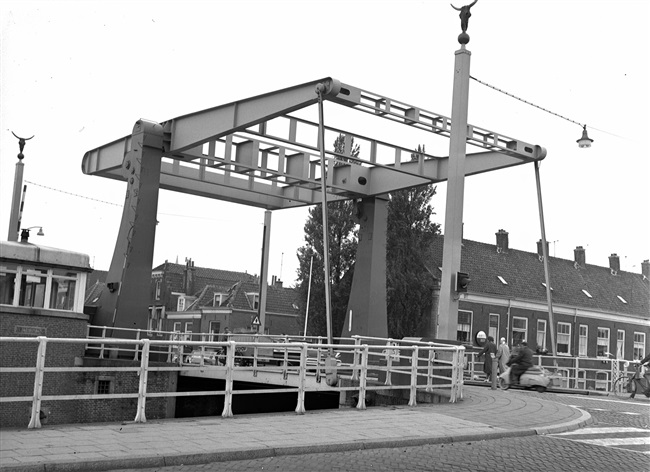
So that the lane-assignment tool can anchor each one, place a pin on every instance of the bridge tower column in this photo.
(124, 301)
(366, 314)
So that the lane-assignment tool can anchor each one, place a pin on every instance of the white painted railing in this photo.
(369, 364)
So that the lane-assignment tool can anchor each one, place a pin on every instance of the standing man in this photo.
(503, 355)
(490, 350)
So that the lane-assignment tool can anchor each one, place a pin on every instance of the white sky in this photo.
(78, 75)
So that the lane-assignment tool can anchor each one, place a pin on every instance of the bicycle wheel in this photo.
(619, 387)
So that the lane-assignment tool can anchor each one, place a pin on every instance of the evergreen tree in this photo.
(342, 248)
(409, 283)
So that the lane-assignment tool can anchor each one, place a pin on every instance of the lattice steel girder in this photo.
(244, 172)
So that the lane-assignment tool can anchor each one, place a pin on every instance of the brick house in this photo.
(599, 312)
(190, 299)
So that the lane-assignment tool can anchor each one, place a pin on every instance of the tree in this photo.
(409, 284)
(342, 248)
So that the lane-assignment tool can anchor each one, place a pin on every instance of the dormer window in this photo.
(219, 298)
(587, 293)
(254, 300)
(181, 304)
(621, 299)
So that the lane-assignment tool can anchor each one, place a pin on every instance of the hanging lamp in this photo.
(585, 141)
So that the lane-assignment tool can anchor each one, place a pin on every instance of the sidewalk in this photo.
(483, 414)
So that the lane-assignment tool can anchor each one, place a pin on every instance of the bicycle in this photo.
(636, 383)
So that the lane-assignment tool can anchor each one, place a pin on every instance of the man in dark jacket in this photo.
(490, 350)
(521, 362)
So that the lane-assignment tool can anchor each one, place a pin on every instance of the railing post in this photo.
(431, 359)
(414, 376)
(137, 346)
(35, 420)
(361, 404)
(140, 416)
(300, 408)
(230, 365)
(355, 358)
(389, 363)
(101, 349)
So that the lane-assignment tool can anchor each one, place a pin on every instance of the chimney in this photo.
(540, 251)
(645, 268)
(502, 241)
(615, 264)
(188, 284)
(580, 256)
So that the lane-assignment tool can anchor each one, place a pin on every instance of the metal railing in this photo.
(577, 373)
(367, 364)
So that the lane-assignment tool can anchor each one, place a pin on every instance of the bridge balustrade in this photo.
(366, 364)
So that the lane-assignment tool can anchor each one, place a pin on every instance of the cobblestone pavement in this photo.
(532, 454)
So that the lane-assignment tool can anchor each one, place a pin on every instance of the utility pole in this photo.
(14, 221)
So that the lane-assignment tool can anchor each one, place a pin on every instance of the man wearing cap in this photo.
(520, 363)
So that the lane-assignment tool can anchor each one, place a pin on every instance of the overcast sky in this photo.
(79, 74)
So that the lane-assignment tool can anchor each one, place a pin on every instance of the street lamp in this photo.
(24, 233)
(584, 141)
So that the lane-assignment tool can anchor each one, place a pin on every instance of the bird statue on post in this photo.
(463, 38)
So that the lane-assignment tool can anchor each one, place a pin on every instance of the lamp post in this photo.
(24, 233)
(14, 219)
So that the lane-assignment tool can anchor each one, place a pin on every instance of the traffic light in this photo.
(462, 281)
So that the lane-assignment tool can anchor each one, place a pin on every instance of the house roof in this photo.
(208, 282)
(524, 273)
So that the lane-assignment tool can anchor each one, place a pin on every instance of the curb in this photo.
(584, 420)
(138, 462)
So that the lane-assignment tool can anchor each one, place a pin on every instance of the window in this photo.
(7, 283)
(463, 334)
(602, 345)
(215, 327)
(177, 326)
(219, 298)
(62, 294)
(541, 334)
(493, 329)
(32, 288)
(158, 286)
(181, 304)
(639, 346)
(620, 344)
(582, 340)
(188, 331)
(563, 338)
(104, 385)
(156, 314)
(38, 287)
(254, 300)
(519, 330)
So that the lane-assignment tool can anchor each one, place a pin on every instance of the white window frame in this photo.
(581, 381)
(78, 279)
(188, 330)
(639, 346)
(602, 342)
(620, 344)
(219, 298)
(565, 334)
(180, 304)
(158, 287)
(254, 299)
(583, 340)
(517, 339)
(492, 330)
(468, 326)
(541, 346)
